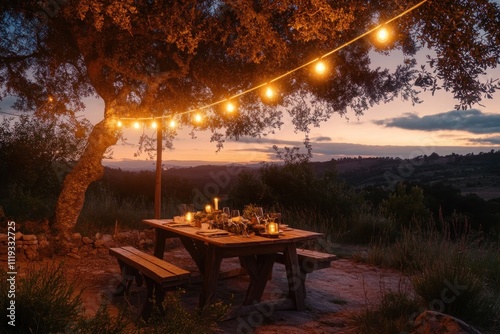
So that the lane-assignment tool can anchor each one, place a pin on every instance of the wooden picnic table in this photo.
(257, 255)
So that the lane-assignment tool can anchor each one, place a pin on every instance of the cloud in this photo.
(328, 150)
(473, 121)
(321, 139)
(487, 140)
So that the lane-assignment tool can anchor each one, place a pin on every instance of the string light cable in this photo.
(257, 87)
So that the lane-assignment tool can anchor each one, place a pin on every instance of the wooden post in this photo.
(159, 149)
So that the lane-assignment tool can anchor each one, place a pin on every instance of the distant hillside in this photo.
(479, 174)
(471, 173)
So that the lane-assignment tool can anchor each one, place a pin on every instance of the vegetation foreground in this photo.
(437, 250)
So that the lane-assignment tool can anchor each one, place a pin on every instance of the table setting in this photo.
(212, 222)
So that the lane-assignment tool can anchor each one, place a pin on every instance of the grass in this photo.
(392, 315)
(47, 302)
(102, 209)
(454, 275)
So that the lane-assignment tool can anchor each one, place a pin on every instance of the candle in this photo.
(216, 203)
(272, 228)
(208, 208)
(189, 217)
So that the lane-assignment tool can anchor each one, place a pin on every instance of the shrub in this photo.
(449, 286)
(45, 301)
(392, 315)
(178, 320)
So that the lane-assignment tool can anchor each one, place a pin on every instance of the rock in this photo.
(99, 244)
(29, 237)
(74, 250)
(73, 255)
(30, 242)
(87, 240)
(107, 238)
(97, 236)
(30, 253)
(19, 235)
(430, 322)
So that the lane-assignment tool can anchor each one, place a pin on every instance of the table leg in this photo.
(213, 260)
(197, 250)
(296, 286)
(161, 237)
(259, 268)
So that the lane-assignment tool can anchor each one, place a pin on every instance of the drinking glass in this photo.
(259, 213)
(182, 209)
(235, 213)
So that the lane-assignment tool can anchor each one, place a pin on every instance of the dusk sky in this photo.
(396, 129)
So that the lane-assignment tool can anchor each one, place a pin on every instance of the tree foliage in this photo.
(34, 156)
(159, 58)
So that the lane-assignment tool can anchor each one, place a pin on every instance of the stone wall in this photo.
(38, 246)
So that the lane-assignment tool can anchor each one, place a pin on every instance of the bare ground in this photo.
(333, 294)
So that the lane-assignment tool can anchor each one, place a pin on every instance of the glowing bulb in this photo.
(119, 123)
(137, 125)
(230, 107)
(320, 67)
(154, 125)
(269, 92)
(382, 35)
(172, 123)
(50, 99)
(198, 118)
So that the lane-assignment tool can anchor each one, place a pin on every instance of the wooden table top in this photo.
(232, 240)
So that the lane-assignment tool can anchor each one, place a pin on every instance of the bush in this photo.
(178, 320)
(391, 316)
(451, 287)
(45, 301)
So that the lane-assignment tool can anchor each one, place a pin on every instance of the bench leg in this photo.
(128, 275)
(156, 290)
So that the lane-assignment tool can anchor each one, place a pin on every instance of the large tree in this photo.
(158, 58)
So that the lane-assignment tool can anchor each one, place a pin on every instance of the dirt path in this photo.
(332, 293)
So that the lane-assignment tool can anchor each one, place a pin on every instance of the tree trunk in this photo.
(87, 170)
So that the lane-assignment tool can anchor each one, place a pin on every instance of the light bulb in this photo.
(382, 35)
(153, 124)
(137, 125)
(269, 92)
(198, 118)
(230, 107)
(320, 67)
(119, 123)
(172, 123)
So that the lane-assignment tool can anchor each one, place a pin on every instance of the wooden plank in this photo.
(310, 260)
(142, 262)
(159, 262)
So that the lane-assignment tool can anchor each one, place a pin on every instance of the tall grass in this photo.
(454, 274)
(102, 209)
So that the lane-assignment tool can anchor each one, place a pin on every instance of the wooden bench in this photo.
(159, 275)
(309, 261)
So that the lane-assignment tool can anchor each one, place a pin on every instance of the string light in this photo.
(382, 35)
(137, 125)
(119, 123)
(154, 125)
(230, 107)
(320, 67)
(198, 118)
(269, 92)
(172, 123)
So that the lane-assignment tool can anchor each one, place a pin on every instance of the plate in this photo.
(268, 235)
(212, 232)
(177, 224)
